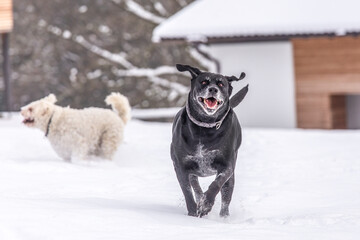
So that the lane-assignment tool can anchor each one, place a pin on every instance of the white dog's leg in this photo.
(80, 153)
(110, 140)
(80, 149)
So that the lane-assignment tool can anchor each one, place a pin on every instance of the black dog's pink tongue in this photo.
(210, 102)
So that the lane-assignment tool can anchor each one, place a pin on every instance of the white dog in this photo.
(79, 133)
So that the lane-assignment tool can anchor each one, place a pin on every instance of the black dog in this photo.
(206, 138)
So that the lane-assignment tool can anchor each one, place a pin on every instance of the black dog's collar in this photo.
(48, 126)
(206, 125)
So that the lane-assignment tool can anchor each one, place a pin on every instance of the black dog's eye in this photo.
(220, 84)
(204, 82)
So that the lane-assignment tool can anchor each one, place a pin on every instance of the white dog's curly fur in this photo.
(79, 133)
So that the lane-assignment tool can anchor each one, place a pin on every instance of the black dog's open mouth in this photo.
(28, 121)
(210, 103)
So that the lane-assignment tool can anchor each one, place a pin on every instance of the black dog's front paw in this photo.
(224, 212)
(193, 214)
(205, 205)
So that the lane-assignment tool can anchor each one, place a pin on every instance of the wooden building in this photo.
(327, 69)
(302, 56)
(6, 25)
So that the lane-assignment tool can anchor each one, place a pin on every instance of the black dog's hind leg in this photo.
(196, 186)
(226, 194)
(208, 199)
(187, 191)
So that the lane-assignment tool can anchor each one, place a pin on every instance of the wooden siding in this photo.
(6, 17)
(326, 70)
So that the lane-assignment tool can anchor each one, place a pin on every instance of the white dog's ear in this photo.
(51, 98)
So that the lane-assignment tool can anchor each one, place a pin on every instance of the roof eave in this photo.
(253, 38)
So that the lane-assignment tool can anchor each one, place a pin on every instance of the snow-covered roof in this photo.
(251, 19)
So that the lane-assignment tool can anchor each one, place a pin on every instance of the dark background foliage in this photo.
(46, 56)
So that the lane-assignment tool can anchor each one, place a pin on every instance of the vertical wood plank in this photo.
(6, 16)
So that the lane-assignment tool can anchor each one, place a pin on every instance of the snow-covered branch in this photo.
(66, 34)
(139, 11)
(113, 57)
(202, 55)
(152, 75)
(183, 90)
(146, 72)
(182, 3)
(160, 9)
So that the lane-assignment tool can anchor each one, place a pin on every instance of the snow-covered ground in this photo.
(290, 184)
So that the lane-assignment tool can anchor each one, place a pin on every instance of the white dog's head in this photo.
(38, 113)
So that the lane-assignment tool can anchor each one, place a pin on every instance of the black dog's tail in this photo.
(239, 96)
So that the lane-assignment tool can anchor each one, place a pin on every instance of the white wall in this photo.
(269, 69)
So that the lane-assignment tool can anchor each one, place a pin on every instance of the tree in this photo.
(82, 50)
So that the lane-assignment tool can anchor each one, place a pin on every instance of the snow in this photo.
(140, 72)
(140, 11)
(206, 62)
(66, 34)
(120, 58)
(160, 8)
(153, 113)
(153, 76)
(227, 18)
(290, 184)
(83, 9)
(73, 74)
(104, 29)
(94, 74)
(55, 30)
(114, 57)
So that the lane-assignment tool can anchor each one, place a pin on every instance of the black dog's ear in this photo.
(239, 96)
(233, 78)
(194, 71)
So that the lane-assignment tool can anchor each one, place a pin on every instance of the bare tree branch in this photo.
(182, 3)
(183, 90)
(130, 70)
(160, 9)
(153, 76)
(113, 57)
(116, 58)
(202, 55)
(147, 72)
(139, 11)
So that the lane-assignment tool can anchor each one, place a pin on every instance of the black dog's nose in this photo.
(213, 90)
